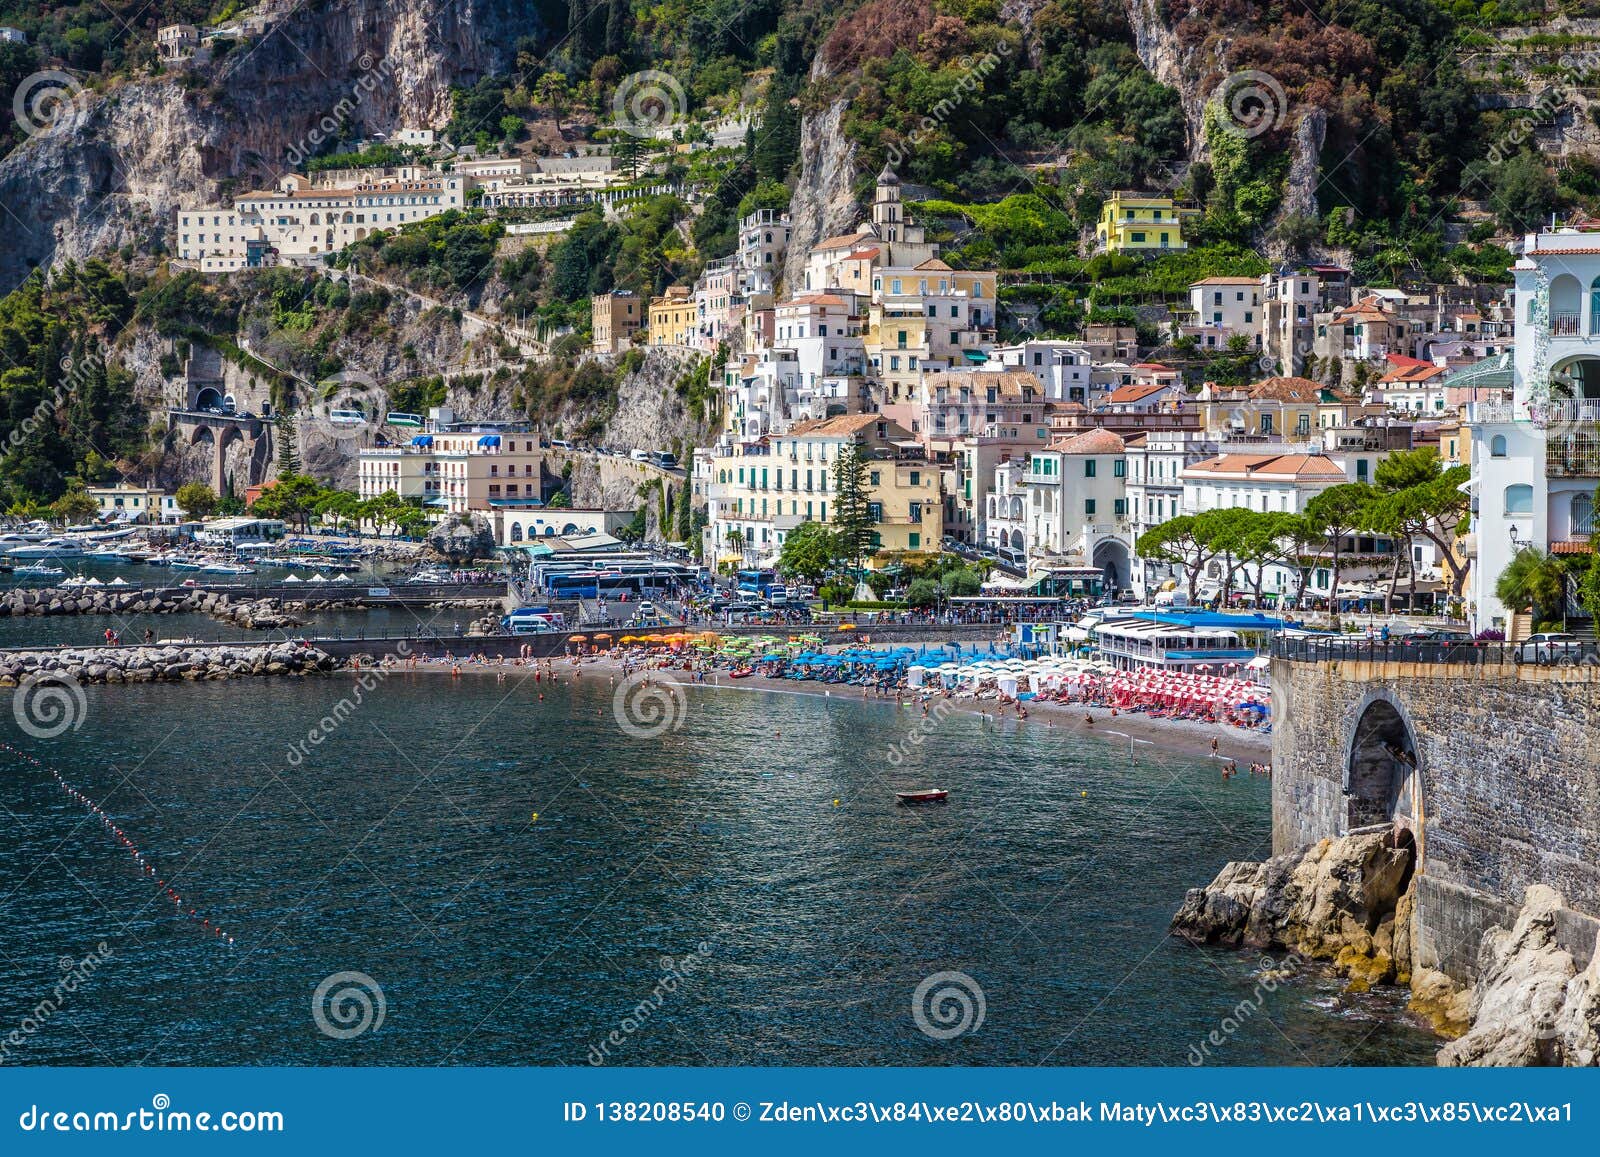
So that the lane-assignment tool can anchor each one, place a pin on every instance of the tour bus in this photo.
(756, 582)
(346, 417)
(401, 418)
(664, 459)
(533, 621)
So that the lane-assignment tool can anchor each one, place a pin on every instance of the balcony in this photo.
(1565, 325)
(1574, 455)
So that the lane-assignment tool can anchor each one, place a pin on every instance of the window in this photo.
(874, 512)
(1497, 446)
(1361, 469)
(914, 540)
(1088, 507)
(1089, 465)
(1519, 499)
(872, 477)
(1136, 238)
(1119, 468)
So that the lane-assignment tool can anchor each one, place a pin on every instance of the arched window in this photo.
(1594, 306)
(516, 532)
(1497, 446)
(1519, 499)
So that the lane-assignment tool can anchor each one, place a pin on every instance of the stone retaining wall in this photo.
(1509, 769)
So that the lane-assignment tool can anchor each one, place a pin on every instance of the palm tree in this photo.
(1534, 581)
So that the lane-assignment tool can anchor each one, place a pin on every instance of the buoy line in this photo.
(146, 866)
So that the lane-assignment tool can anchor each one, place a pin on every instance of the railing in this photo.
(1565, 325)
(1473, 652)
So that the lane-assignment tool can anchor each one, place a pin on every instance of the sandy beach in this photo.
(1179, 736)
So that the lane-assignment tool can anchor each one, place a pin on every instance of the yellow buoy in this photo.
(835, 803)
(534, 819)
(1082, 793)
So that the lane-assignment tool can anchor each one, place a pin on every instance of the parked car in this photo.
(1551, 647)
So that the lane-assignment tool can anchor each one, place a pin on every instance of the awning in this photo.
(489, 440)
(1259, 662)
(976, 356)
(422, 440)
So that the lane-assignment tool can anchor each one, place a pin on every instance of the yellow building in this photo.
(673, 317)
(767, 489)
(1131, 222)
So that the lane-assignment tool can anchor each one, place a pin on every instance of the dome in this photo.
(887, 177)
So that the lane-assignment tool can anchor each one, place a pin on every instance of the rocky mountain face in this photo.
(113, 169)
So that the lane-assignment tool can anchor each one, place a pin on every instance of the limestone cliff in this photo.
(1345, 901)
(114, 169)
(824, 202)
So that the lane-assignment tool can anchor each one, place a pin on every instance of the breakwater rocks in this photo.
(166, 664)
(109, 600)
(1350, 902)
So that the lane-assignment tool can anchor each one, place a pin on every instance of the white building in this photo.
(300, 222)
(1077, 503)
(1536, 461)
(1064, 369)
(1223, 307)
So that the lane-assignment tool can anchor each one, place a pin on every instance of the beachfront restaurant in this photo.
(1173, 642)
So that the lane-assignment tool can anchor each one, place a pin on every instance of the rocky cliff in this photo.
(824, 202)
(114, 168)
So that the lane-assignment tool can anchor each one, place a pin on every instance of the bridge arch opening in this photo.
(1383, 778)
(209, 398)
(1111, 558)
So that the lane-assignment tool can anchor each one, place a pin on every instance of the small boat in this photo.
(38, 570)
(741, 672)
(227, 568)
(926, 795)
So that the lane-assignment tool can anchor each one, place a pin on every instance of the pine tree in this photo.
(777, 144)
(288, 446)
(616, 27)
(851, 516)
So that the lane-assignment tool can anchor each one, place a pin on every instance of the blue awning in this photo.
(976, 355)
(422, 440)
(489, 440)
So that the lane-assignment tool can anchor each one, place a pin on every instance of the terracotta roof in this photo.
(1122, 395)
(1410, 375)
(1284, 390)
(1154, 366)
(814, 299)
(1098, 441)
(1280, 465)
(1227, 281)
(1010, 383)
(841, 424)
(843, 240)
(1572, 546)
(935, 264)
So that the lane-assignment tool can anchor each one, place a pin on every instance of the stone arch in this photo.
(208, 398)
(1111, 557)
(202, 435)
(1383, 772)
(1016, 540)
(1566, 300)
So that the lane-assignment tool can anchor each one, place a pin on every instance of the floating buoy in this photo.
(534, 818)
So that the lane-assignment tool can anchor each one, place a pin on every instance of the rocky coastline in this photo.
(1349, 903)
(253, 613)
(161, 664)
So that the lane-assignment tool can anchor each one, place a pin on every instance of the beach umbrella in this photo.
(294, 578)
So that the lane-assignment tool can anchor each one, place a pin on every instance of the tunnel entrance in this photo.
(1382, 781)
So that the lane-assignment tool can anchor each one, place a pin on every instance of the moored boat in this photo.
(926, 795)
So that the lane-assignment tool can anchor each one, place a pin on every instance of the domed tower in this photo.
(886, 217)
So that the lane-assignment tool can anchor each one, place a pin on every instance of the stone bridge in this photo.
(1493, 764)
(217, 432)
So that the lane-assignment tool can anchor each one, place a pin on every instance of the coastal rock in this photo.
(1335, 900)
(1530, 1005)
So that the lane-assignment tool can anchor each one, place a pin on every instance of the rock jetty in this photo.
(162, 664)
